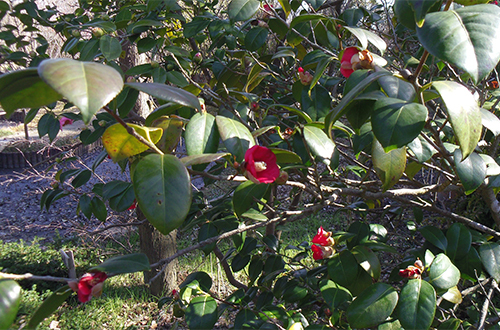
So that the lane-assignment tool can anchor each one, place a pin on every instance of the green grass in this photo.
(126, 302)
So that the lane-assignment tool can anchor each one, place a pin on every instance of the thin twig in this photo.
(29, 276)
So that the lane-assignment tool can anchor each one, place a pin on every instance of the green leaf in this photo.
(453, 295)
(163, 190)
(49, 306)
(422, 149)
(490, 121)
(396, 123)
(255, 38)
(81, 178)
(417, 305)
(463, 114)
(201, 135)
(319, 144)
(365, 36)
(236, 137)
(490, 257)
(204, 281)
(334, 294)
(239, 262)
(317, 102)
(450, 324)
(286, 156)
(177, 78)
(99, 209)
(25, 89)
(466, 37)
(244, 195)
(343, 269)
(397, 88)
(84, 205)
(459, 241)
(372, 306)
(471, 171)
(10, 298)
(241, 10)
(119, 144)
(202, 159)
(367, 260)
(168, 93)
(389, 166)
(443, 274)
(130, 263)
(88, 85)
(434, 236)
(207, 230)
(341, 108)
(201, 313)
(110, 47)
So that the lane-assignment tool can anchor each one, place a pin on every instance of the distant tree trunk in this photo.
(158, 246)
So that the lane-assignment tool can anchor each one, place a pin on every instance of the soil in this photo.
(21, 217)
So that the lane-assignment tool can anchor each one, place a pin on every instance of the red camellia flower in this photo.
(354, 59)
(63, 121)
(321, 252)
(323, 237)
(260, 165)
(413, 272)
(90, 285)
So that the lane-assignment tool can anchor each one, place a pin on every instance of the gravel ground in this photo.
(20, 191)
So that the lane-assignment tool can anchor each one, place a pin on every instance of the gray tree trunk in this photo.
(158, 246)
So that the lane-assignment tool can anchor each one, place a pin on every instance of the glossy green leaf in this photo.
(25, 89)
(286, 156)
(319, 144)
(129, 263)
(450, 324)
(422, 149)
(241, 10)
(168, 93)
(365, 36)
(207, 230)
(344, 270)
(389, 166)
(434, 236)
(470, 265)
(463, 114)
(202, 136)
(490, 121)
(88, 85)
(203, 279)
(202, 159)
(236, 137)
(341, 108)
(471, 171)
(373, 306)
(120, 145)
(334, 294)
(255, 38)
(110, 47)
(396, 123)
(317, 102)
(163, 190)
(397, 88)
(368, 260)
(244, 195)
(465, 37)
(49, 306)
(417, 305)
(294, 292)
(201, 313)
(459, 241)
(443, 274)
(490, 257)
(99, 209)
(10, 298)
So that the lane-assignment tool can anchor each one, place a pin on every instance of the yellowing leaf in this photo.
(119, 144)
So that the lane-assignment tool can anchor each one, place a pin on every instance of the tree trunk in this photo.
(158, 246)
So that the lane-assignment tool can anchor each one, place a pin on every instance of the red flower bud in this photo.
(322, 252)
(323, 237)
(300, 69)
(90, 285)
(354, 59)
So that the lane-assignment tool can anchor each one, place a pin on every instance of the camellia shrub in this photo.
(304, 105)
